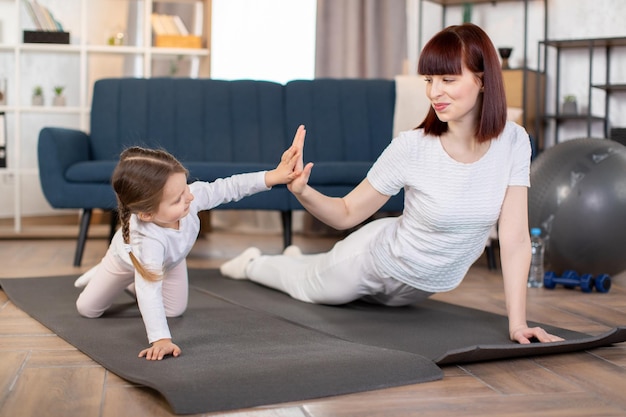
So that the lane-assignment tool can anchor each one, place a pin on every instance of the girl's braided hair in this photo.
(138, 181)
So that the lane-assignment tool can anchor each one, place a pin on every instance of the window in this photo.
(270, 40)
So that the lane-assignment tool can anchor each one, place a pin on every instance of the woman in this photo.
(463, 169)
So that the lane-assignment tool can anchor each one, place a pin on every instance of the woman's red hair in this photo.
(446, 54)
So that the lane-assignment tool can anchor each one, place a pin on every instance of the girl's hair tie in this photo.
(127, 248)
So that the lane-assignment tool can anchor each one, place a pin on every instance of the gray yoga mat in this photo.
(442, 332)
(245, 345)
(233, 357)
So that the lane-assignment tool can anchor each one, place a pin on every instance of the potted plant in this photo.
(59, 98)
(570, 107)
(37, 99)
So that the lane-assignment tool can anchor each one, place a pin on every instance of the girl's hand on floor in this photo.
(160, 349)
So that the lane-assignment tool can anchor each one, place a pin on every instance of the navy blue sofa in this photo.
(218, 128)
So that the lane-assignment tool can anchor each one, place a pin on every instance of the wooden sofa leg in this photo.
(286, 218)
(82, 236)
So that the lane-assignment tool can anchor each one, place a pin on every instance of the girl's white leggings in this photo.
(111, 276)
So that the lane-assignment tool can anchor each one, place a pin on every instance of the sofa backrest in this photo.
(244, 119)
(346, 119)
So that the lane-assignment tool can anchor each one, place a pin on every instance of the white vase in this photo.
(570, 108)
(37, 100)
(58, 101)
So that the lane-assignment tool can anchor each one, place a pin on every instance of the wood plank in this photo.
(59, 358)
(30, 342)
(615, 354)
(134, 401)
(596, 376)
(56, 392)
(520, 376)
(553, 405)
(10, 365)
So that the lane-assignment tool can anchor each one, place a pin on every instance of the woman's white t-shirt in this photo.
(449, 206)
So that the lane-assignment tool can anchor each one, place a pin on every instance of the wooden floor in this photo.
(41, 375)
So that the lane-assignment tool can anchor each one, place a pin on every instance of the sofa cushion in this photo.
(194, 119)
(91, 172)
(347, 120)
(211, 171)
(339, 173)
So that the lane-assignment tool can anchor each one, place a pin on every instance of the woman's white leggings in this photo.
(345, 273)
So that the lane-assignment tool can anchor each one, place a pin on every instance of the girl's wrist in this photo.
(269, 178)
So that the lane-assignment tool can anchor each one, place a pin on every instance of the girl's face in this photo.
(175, 203)
(454, 97)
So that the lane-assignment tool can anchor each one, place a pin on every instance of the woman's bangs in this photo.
(441, 56)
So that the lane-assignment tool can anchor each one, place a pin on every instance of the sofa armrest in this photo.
(58, 149)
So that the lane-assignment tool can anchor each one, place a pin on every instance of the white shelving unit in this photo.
(77, 66)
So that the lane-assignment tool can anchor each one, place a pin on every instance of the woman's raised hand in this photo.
(298, 143)
(303, 172)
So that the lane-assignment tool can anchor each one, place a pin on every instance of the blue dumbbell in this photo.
(603, 283)
(570, 279)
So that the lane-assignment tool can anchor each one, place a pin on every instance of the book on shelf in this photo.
(170, 32)
(164, 24)
(180, 26)
(41, 16)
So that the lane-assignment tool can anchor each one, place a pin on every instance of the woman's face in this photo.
(454, 97)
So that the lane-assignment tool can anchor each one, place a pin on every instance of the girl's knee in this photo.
(175, 311)
(85, 310)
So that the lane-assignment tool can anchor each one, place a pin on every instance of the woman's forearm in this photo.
(330, 210)
(343, 212)
(515, 262)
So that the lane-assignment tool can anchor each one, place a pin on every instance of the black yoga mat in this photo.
(233, 357)
(443, 332)
(245, 345)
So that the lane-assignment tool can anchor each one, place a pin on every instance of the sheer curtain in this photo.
(361, 38)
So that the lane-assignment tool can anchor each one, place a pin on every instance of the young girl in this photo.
(463, 169)
(159, 226)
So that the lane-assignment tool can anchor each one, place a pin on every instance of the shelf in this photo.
(581, 117)
(51, 109)
(608, 47)
(463, 2)
(121, 49)
(582, 43)
(77, 66)
(179, 51)
(610, 87)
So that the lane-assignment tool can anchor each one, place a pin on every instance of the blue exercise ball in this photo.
(577, 197)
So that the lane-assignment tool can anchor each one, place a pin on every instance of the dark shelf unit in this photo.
(609, 87)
